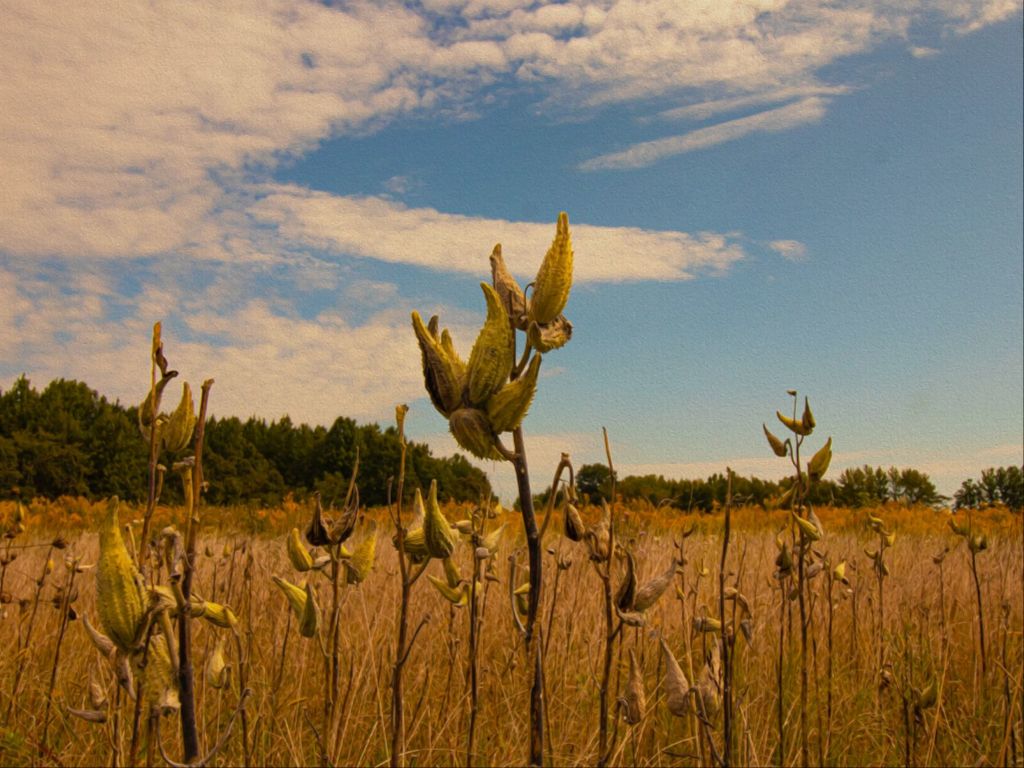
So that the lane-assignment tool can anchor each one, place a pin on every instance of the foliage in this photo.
(1004, 485)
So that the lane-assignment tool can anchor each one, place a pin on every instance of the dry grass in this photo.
(869, 726)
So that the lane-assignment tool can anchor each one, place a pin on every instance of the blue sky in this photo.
(763, 196)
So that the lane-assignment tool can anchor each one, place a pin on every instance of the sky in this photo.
(763, 196)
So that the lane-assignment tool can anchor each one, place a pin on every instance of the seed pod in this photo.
(218, 672)
(626, 592)
(415, 544)
(158, 678)
(219, 615)
(795, 425)
(493, 539)
(103, 643)
(89, 715)
(706, 624)
(634, 701)
(472, 431)
(631, 618)
(316, 532)
(889, 538)
(303, 604)
(491, 360)
(451, 572)
(807, 419)
(97, 695)
(310, 614)
(875, 523)
(508, 289)
(178, 429)
(549, 336)
(507, 409)
(649, 593)
(839, 573)
(574, 530)
(807, 528)
(149, 411)
(554, 279)
(929, 696)
(819, 462)
(778, 447)
(441, 375)
(298, 554)
(522, 596)
(436, 530)
(598, 541)
(454, 595)
(120, 599)
(359, 565)
(464, 527)
(677, 688)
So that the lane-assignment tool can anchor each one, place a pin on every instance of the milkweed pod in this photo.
(631, 618)
(929, 696)
(706, 624)
(813, 518)
(491, 359)
(120, 599)
(310, 614)
(103, 643)
(159, 681)
(436, 530)
(451, 572)
(807, 528)
(649, 593)
(316, 532)
(818, 465)
(554, 279)
(875, 523)
(573, 523)
(747, 628)
(839, 573)
(778, 447)
(97, 694)
(299, 556)
(522, 597)
(784, 562)
(219, 615)
(454, 595)
(807, 419)
(957, 529)
(89, 715)
(464, 527)
(978, 543)
(598, 541)
(635, 700)
(296, 595)
(493, 539)
(442, 377)
(889, 538)
(179, 427)
(415, 544)
(472, 431)
(507, 408)
(149, 411)
(553, 335)
(626, 593)
(512, 297)
(677, 687)
(359, 565)
(218, 672)
(794, 425)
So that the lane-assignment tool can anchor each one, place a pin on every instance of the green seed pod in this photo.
(778, 447)
(807, 528)
(807, 419)
(149, 411)
(549, 336)
(120, 599)
(454, 595)
(218, 672)
(219, 615)
(178, 430)
(472, 431)
(492, 357)
(451, 572)
(493, 539)
(359, 565)
(159, 681)
(554, 279)
(818, 465)
(436, 530)
(441, 376)
(507, 408)
(508, 289)
(310, 614)
(795, 425)
(299, 556)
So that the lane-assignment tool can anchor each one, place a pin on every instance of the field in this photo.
(896, 673)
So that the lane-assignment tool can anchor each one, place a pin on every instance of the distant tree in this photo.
(593, 482)
(1003, 485)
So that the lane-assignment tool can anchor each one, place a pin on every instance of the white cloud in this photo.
(376, 228)
(646, 153)
(706, 109)
(790, 250)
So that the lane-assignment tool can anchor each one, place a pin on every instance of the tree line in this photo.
(68, 440)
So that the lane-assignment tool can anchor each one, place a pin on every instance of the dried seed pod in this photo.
(818, 465)
(549, 336)
(89, 715)
(181, 423)
(634, 702)
(677, 687)
(778, 447)
(492, 357)
(218, 671)
(297, 553)
(507, 408)
(626, 592)
(455, 595)
(103, 643)
(631, 618)
(807, 419)
(649, 593)
(158, 678)
(574, 530)
(441, 375)
(97, 695)
(120, 598)
(472, 431)
(706, 624)
(149, 411)
(317, 533)
(598, 541)
(508, 289)
(554, 279)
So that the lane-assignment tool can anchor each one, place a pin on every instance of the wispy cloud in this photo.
(646, 153)
(376, 228)
(790, 250)
(706, 109)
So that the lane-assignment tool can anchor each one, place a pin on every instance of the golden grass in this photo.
(968, 724)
